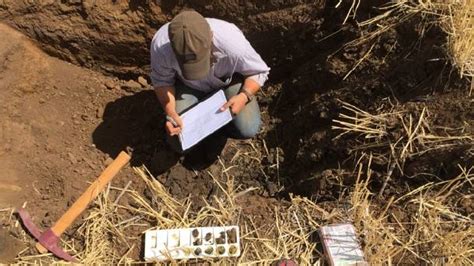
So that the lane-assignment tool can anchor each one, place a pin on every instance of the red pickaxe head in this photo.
(50, 238)
(47, 239)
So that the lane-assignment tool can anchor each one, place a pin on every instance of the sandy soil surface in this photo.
(49, 110)
(61, 125)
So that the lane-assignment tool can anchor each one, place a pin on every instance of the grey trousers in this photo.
(245, 125)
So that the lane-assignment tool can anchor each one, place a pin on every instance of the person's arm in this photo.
(248, 63)
(168, 103)
(163, 78)
(238, 102)
(250, 86)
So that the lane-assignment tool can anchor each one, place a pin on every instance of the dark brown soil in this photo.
(61, 124)
(232, 236)
(114, 36)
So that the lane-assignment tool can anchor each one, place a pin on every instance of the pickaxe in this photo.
(48, 240)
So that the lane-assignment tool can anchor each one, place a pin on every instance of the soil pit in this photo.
(62, 124)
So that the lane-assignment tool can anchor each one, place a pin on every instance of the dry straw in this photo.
(395, 136)
(404, 134)
(102, 232)
(459, 25)
(287, 236)
(455, 17)
(422, 226)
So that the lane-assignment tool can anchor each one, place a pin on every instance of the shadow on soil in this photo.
(308, 100)
(136, 123)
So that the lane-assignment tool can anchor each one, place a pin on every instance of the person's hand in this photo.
(236, 103)
(174, 129)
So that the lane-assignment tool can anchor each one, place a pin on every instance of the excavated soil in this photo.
(71, 102)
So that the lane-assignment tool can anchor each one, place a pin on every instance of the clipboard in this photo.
(203, 119)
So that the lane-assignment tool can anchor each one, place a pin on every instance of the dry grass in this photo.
(455, 17)
(288, 236)
(102, 232)
(459, 25)
(422, 226)
(395, 136)
(425, 233)
(425, 228)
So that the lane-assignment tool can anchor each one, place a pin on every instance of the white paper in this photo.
(204, 119)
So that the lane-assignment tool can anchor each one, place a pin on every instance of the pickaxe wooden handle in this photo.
(89, 195)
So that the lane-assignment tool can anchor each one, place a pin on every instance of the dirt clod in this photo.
(221, 238)
(108, 161)
(232, 236)
(72, 158)
(197, 251)
(110, 85)
(131, 86)
(209, 250)
(195, 233)
(232, 250)
(197, 242)
(142, 81)
(99, 112)
(220, 250)
(208, 236)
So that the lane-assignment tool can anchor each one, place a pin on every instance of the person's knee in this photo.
(232, 90)
(248, 131)
(246, 127)
(185, 97)
(247, 123)
(184, 101)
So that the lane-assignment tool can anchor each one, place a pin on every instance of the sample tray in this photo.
(190, 243)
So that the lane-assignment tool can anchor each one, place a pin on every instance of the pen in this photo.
(169, 118)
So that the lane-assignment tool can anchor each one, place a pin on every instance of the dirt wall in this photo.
(114, 36)
(313, 69)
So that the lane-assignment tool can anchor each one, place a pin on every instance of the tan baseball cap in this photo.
(191, 39)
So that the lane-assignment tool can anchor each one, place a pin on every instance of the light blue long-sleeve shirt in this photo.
(231, 54)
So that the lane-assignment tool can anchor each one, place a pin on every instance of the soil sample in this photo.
(187, 251)
(232, 236)
(195, 233)
(232, 250)
(221, 238)
(197, 242)
(221, 250)
(209, 250)
(197, 251)
(208, 237)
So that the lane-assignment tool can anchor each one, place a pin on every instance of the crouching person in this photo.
(192, 57)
